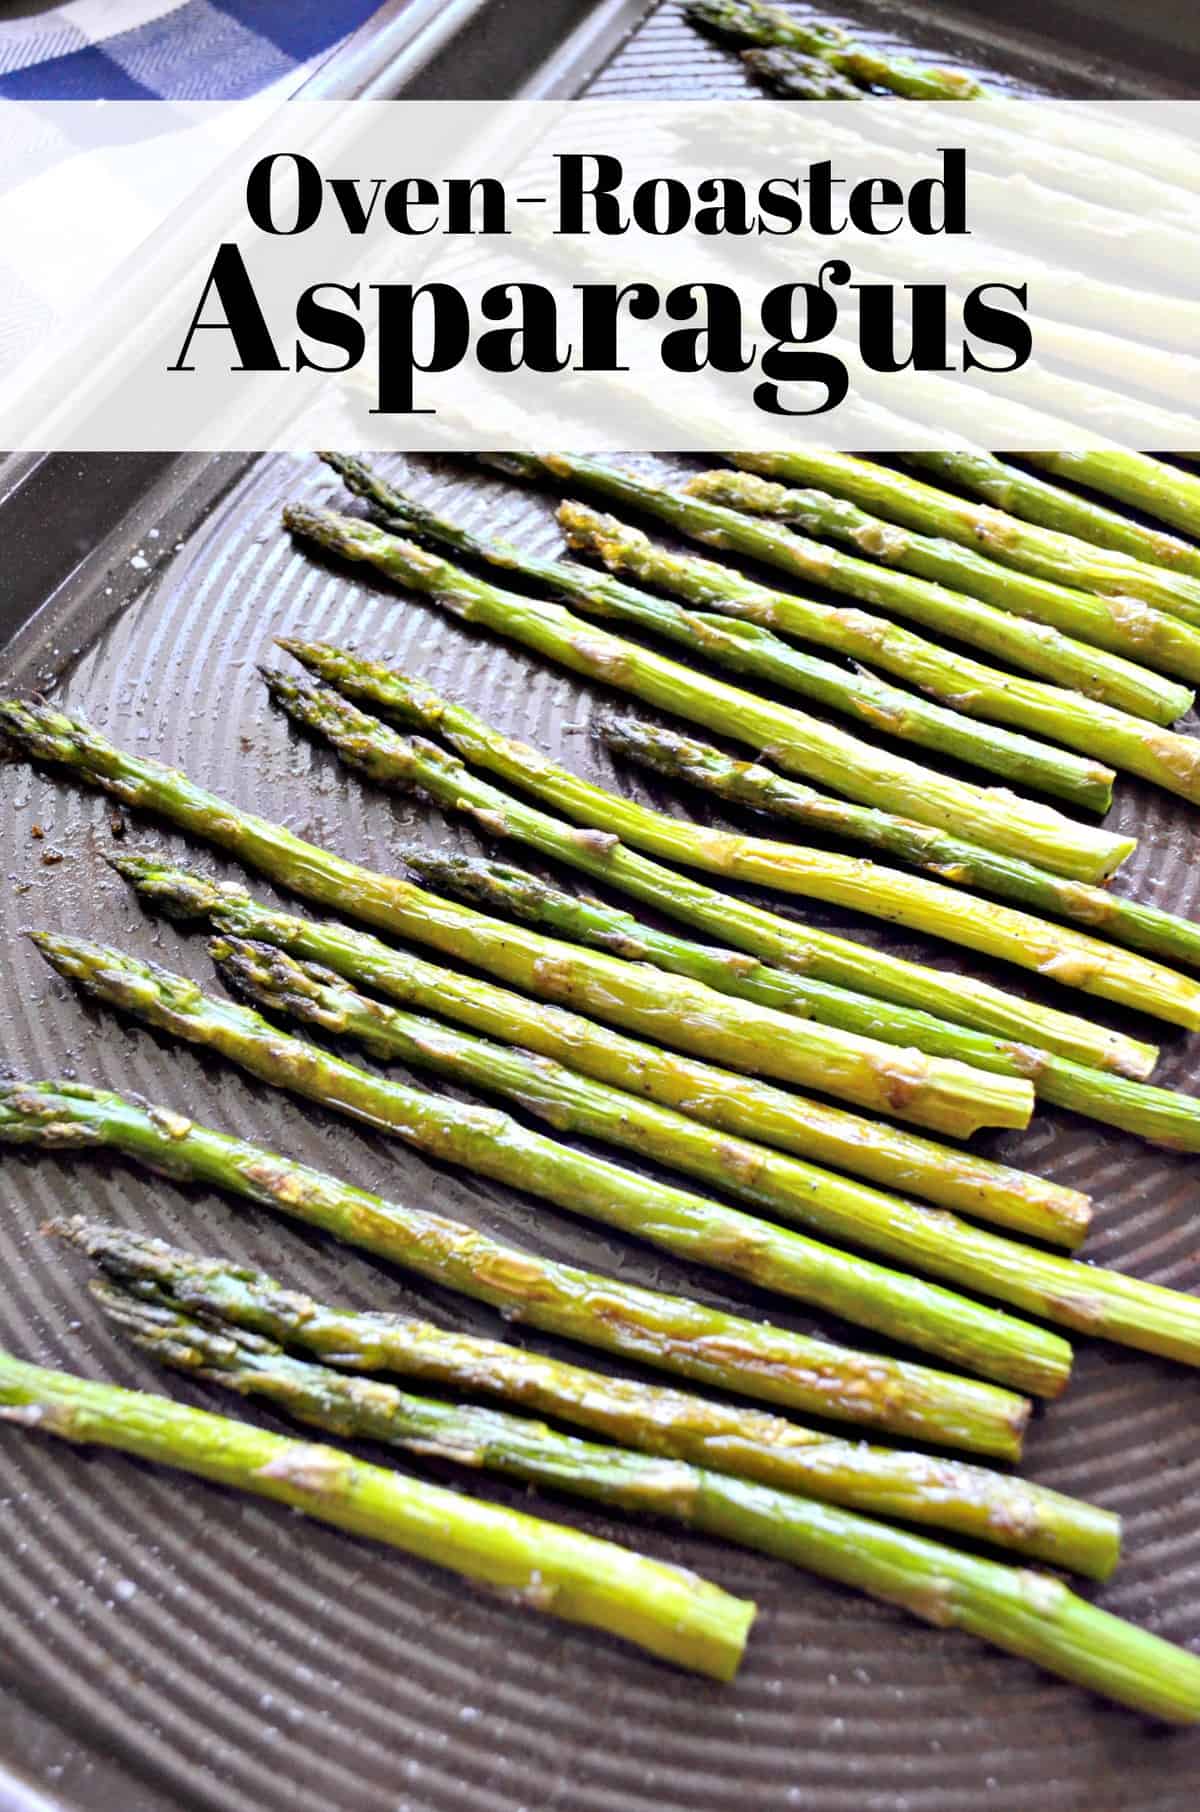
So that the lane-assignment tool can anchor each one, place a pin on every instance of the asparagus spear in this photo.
(734, 1103)
(1063, 176)
(942, 1093)
(1125, 624)
(1084, 1298)
(751, 783)
(800, 743)
(654, 1419)
(801, 78)
(1036, 500)
(610, 821)
(494, 1145)
(667, 1610)
(1069, 157)
(1161, 490)
(1045, 552)
(1157, 754)
(1157, 1114)
(964, 684)
(757, 652)
(364, 742)
(750, 22)
(938, 1092)
(541, 966)
(936, 1583)
(1146, 929)
(726, 1352)
(1034, 646)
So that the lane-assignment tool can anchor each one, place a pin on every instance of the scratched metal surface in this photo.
(167, 1644)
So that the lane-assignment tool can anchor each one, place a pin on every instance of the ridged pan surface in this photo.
(194, 1647)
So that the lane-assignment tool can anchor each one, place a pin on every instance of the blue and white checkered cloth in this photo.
(196, 50)
(118, 50)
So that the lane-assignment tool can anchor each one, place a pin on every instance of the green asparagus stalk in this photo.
(1064, 172)
(801, 78)
(540, 966)
(752, 784)
(1069, 159)
(1034, 499)
(1145, 928)
(934, 1582)
(598, 843)
(943, 1093)
(1124, 624)
(655, 1419)
(938, 1092)
(750, 22)
(1144, 483)
(366, 743)
(723, 1351)
(742, 1105)
(1034, 646)
(494, 1145)
(964, 684)
(664, 1609)
(1163, 756)
(1069, 957)
(1081, 1297)
(1157, 1114)
(1045, 552)
(800, 743)
(906, 715)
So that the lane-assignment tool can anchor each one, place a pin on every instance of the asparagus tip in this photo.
(179, 893)
(89, 1237)
(131, 868)
(62, 1226)
(310, 654)
(353, 471)
(303, 699)
(303, 519)
(607, 722)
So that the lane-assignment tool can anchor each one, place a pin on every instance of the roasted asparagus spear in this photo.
(941, 1092)
(1035, 647)
(723, 1351)
(1127, 741)
(937, 1583)
(653, 1418)
(1161, 1115)
(751, 650)
(743, 1105)
(1047, 553)
(820, 751)
(1124, 624)
(1070, 957)
(494, 1145)
(755, 784)
(1082, 1297)
(669, 1611)
(1035, 499)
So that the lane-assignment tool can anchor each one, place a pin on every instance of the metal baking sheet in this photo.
(164, 1644)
